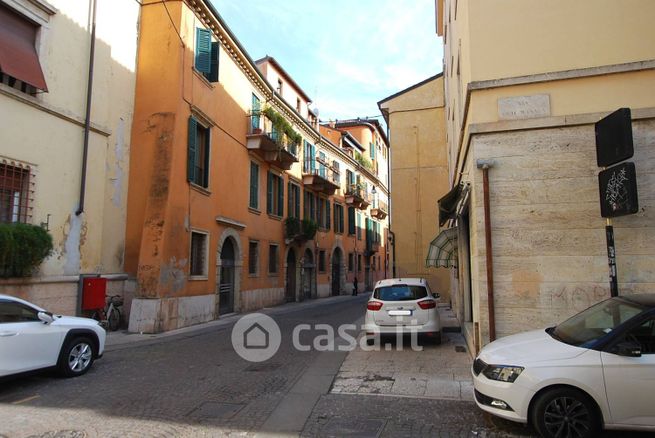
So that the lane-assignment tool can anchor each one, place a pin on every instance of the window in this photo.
(279, 86)
(253, 256)
(19, 63)
(359, 262)
(400, 293)
(336, 173)
(293, 209)
(351, 221)
(310, 206)
(275, 195)
(272, 259)
(644, 335)
(350, 180)
(309, 157)
(338, 218)
(206, 61)
(321, 260)
(198, 264)
(371, 147)
(351, 262)
(11, 312)
(255, 120)
(254, 185)
(15, 194)
(298, 104)
(324, 213)
(373, 263)
(198, 154)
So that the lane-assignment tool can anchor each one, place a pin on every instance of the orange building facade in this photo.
(238, 198)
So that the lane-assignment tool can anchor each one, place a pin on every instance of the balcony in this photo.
(267, 142)
(320, 176)
(357, 197)
(380, 210)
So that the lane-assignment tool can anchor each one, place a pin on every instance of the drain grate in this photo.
(460, 349)
(341, 427)
(263, 367)
(211, 409)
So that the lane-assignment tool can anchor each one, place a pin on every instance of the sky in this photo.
(346, 55)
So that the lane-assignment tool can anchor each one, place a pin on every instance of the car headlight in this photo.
(502, 373)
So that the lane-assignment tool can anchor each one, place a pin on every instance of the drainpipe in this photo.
(391, 233)
(485, 165)
(87, 120)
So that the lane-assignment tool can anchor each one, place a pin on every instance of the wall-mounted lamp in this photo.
(373, 191)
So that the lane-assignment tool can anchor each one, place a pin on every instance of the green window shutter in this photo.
(254, 185)
(213, 68)
(336, 218)
(205, 177)
(280, 196)
(290, 209)
(372, 150)
(327, 215)
(351, 220)
(192, 149)
(203, 50)
(256, 108)
(269, 194)
(296, 199)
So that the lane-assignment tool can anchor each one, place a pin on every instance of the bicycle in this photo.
(110, 316)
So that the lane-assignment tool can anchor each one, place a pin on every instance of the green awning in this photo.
(442, 252)
(448, 204)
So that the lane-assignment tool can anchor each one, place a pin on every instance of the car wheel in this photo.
(565, 412)
(76, 357)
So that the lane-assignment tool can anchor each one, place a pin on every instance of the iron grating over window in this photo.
(16, 193)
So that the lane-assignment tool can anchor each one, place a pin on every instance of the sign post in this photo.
(618, 184)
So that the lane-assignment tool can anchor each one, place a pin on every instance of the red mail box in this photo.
(94, 290)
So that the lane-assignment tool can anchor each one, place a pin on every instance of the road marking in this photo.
(25, 400)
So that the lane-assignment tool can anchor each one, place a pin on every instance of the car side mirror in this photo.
(47, 318)
(628, 349)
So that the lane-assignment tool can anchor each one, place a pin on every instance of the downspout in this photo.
(87, 119)
(485, 165)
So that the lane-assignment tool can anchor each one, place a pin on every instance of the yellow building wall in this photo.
(46, 131)
(419, 169)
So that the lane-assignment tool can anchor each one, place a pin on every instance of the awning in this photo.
(448, 204)
(18, 57)
(442, 252)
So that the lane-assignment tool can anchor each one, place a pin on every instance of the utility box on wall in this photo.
(94, 290)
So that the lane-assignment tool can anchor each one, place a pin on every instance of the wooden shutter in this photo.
(269, 193)
(192, 149)
(351, 220)
(213, 68)
(280, 196)
(254, 185)
(328, 216)
(203, 50)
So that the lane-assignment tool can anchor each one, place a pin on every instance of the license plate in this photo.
(400, 312)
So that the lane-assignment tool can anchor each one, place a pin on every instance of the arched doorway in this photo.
(226, 286)
(290, 284)
(336, 271)
(307, 274)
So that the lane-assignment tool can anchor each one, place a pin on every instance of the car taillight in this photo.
(374, 305)
(427, 304)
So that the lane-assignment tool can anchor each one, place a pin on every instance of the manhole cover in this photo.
(260, 367)
(342, 427)
(61, 434)
(215, 410)
(460, 349)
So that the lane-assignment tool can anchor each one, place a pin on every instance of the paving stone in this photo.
(443, 389)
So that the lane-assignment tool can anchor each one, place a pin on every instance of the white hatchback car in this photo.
(402, 306)
(596, 369)
(32, 338)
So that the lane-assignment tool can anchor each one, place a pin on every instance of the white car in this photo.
(402, 306)
(32, 338)
(595, 370)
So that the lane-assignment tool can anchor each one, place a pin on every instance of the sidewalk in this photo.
(438, 372)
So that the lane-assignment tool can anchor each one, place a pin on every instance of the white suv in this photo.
(403, 306)
(32, 338)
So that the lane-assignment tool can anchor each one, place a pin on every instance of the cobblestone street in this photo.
(192, 383)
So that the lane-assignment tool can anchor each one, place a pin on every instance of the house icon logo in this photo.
(256, 337)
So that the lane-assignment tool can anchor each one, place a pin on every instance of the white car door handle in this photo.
(7, 334)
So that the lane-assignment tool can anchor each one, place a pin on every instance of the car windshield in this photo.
(588, 326)
(400, 292)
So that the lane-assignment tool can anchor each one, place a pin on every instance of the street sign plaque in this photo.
(618, 190)
(614, 138)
